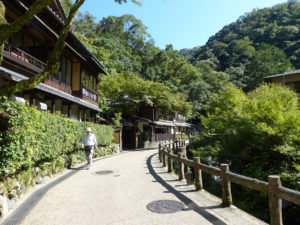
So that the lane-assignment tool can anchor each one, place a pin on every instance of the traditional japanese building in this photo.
(151, 126)
(73, 89)
(290, 79)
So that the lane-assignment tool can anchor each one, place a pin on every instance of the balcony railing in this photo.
(91, 94)
(162, 137)
(23, 56)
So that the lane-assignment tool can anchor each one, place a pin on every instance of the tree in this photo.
(9, 88)
(7, 29)
(125, 92)
(267, 60)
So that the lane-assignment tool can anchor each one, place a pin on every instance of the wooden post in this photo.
(198, 174)
(275, 203)
(169, 162)
(53, 106)
(159, 152)
(180, 166)
(226, 189)
(70, 111)
(164, 157)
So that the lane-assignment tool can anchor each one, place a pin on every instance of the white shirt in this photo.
(89, 140)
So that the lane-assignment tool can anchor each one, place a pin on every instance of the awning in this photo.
(46, 88)
(180, 124)
(164, 123)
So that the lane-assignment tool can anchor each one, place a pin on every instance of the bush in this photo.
(33, 138)
(258, 134)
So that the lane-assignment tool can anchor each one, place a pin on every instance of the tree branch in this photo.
(10, 88)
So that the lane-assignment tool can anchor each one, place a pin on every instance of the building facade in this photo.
(73, 89)
(290, 79)
(152, 126)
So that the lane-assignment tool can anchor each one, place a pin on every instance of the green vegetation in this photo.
(30, 138)
(238, 47)
(124, 46)
(127, 92)
(258, 135)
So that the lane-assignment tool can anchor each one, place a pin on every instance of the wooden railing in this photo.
(88, 92)
(25, 57)
(162, 137)
(273, 187)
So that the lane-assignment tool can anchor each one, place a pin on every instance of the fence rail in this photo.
(273, 187)
(25, 57)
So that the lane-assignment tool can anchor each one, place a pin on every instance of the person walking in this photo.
(89, 142)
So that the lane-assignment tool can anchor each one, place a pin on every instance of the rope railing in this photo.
(273, 187)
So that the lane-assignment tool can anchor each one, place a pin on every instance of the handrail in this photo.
(273, 187)
(22, 55)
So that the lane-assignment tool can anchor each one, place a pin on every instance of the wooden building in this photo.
(290, 79)
(151, 126)
(73, 89)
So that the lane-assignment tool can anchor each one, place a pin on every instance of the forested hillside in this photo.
(260, 43)
(124, 45)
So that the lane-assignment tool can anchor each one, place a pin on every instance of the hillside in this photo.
(268, 36)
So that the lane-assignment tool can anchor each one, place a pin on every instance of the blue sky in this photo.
(183, 23)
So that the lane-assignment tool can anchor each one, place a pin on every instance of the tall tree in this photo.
(267, 60)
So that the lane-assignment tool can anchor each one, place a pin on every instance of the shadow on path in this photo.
(188, 202)
(24, 209)
(17, 217)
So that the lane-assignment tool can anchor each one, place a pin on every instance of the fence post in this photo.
(159, 152)
(164, 157)
(169, 145)
(180, 166)
(198, 174)
(226, 189)
(169, 162)
(275, 203)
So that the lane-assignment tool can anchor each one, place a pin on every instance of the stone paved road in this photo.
(120, 198)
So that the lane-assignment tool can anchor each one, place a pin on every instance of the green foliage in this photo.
(267, 60)
(124, 45)
(256, 131)
(127, 91)
(238, 48)
(34, 138)
(258, 134)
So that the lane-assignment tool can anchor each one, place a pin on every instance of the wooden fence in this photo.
(273, 187)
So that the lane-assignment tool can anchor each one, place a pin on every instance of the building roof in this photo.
(164, 123)
(292, 72)
(182, 124)
(43, 87)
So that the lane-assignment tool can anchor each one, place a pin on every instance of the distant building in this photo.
(151, 126)
(73, 89)
(290, 79)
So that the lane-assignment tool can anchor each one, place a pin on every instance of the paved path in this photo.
(82, 197)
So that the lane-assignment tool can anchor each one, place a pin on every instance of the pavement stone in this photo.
(90, 197)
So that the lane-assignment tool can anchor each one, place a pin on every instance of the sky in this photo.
(182, 23)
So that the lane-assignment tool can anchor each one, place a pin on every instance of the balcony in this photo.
(20, 57)
(89, 95)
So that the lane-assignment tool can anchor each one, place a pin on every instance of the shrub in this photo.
(33, 138)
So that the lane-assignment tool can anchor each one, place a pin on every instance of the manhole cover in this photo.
(104, 172)
(165, 206)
